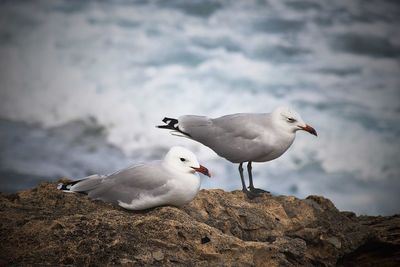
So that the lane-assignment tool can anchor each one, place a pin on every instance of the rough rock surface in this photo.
(44, 226)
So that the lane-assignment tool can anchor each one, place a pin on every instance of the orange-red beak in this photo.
(202, 170)
(309, 129)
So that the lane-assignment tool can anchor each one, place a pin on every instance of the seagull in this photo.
(243, 137)
(171, 181)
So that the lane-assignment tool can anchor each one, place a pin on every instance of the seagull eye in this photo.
(291, 120)
(183, 159)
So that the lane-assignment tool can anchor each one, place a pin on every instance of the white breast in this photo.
(184, 189)
(275, 146)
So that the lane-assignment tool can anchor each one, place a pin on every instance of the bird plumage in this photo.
(244, 137)
(166, 182)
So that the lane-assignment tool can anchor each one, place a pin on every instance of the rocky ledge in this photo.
(44, 226)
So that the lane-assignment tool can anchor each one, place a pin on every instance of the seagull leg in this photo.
(249, 168)
(249, 194)
(251, 186)
(244, 189)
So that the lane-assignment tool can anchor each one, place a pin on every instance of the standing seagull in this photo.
(243, 137)
(171, 181)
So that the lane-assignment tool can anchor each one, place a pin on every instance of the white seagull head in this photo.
(183, 160)
(290, 121)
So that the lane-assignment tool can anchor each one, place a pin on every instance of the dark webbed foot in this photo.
(252, 189)
(251, 194)
(258, 190)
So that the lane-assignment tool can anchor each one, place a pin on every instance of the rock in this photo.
(45, 226)
(158, 255)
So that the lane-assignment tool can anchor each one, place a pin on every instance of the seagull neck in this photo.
(167, 165)
(283, 132)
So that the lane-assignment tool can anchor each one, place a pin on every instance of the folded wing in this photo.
(127, 185)
(235, 137)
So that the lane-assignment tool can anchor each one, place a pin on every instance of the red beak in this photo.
(202, 170)
(309, 129)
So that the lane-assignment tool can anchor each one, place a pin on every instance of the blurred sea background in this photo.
(83, 83)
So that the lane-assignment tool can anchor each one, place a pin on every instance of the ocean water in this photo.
(83, 83)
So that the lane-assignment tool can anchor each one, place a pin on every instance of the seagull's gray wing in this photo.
(128, 184)
(236, 137)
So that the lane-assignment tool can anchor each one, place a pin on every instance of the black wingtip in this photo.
(171, 124)
(62, 186)
(67, 186)
(164, 127)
